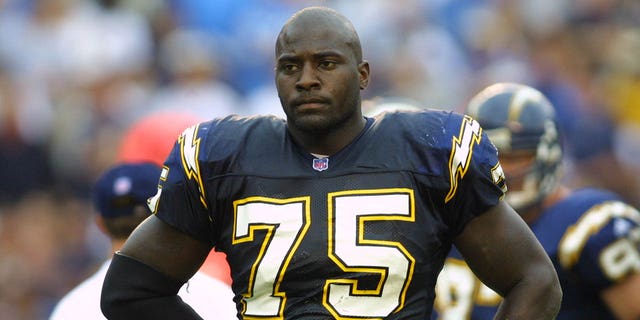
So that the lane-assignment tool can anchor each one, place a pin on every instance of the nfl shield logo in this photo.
(321, 164)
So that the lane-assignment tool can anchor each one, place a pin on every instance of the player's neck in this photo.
(532, 214)
(329, 143)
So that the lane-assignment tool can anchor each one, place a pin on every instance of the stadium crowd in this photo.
(75, 74)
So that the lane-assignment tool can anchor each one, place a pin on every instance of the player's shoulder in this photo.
(445, 143)
(433, 127)
(598, 218)
(591, 203)
(236, 126)
(593, 195)
(604, 205)
(223, 136)
(423, 119)
(588, 205)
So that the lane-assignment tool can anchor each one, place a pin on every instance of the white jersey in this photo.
(209, 297)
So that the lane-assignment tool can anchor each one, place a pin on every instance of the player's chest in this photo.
(378, 218)
(319, 239)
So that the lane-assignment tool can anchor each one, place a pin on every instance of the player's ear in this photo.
(363, 68)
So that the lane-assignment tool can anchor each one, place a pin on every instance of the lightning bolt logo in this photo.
(461, 152)
(189, 150)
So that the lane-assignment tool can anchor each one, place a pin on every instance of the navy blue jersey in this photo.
(592, 239)
(362, 234)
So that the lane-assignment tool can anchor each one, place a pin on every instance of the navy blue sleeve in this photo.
(602, 246)
(181, 199)
(476, 179)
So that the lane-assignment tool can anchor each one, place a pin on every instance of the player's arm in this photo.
(503, 252)
(144, 277)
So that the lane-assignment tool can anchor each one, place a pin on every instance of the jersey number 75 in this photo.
(286, 221)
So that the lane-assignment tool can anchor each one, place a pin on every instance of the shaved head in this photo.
(317, 21)
(319, 75)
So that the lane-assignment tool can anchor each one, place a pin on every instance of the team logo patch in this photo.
(321, 164)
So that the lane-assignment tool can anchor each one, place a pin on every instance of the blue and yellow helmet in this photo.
(517, 117)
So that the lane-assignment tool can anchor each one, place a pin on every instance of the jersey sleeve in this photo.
(602, 247)
(181, 198)
(476, 180)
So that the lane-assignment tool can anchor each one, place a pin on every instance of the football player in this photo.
(329, 214)
(591, 236)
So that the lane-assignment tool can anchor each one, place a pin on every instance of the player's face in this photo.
(318, 79)
(516, 165)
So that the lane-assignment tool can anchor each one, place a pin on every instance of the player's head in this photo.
(521, 123)
(120, 197)
(319, 70)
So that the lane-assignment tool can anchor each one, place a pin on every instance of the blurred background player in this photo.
(591, 236)
(120, 199)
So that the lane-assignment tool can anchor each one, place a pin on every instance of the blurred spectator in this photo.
(120, 200)
(193, 77)
(43, 252)
(621, 84)
(75, 63)
(24, 158)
